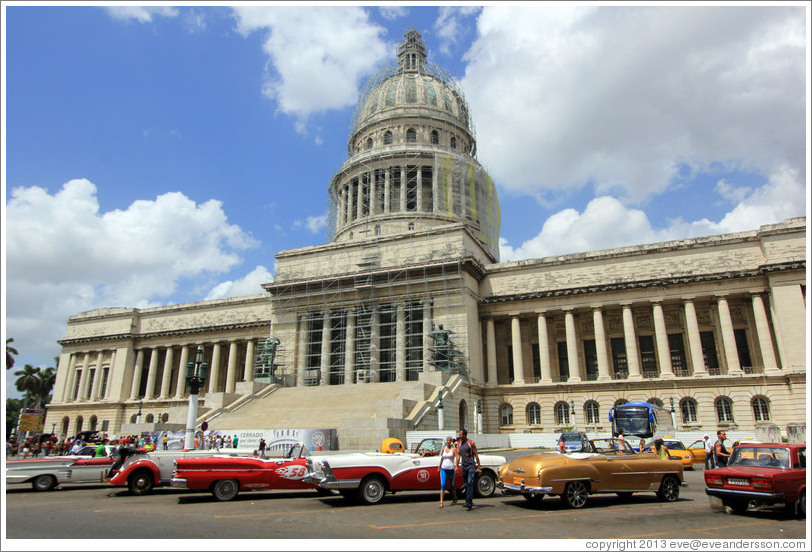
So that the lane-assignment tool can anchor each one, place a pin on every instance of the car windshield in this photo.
(572, 437)
(429, 446)
(611, 446)
(763, 457)
(674, 445)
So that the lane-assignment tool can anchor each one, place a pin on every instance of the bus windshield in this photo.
(640, 420)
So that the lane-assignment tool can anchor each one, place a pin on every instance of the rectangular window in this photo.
(411, 188)
(394, 189)
(105, 376)
(591, 359)
(743, 350)
(338, 337)
(709, 353)
(92, 376)
(388, 337)
(510, 364)
(78, 377)
(647, 357)
(363, 324)
(678, 361)
(414, 341)
(536, 362)
(313, 349)
(619, 359)
(563, 362)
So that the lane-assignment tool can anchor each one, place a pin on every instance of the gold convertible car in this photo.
(605, 466)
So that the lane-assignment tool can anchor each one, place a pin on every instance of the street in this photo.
(97, 511)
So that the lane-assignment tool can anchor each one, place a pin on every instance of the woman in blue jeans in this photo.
(448, 460)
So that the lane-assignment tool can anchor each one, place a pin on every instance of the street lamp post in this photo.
(479, 415)
(138, 416)
(673, 418)
(440, 421)
(572, 412)
(196, 374)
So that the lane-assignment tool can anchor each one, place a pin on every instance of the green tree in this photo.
(29, 382)
(11, 352)
(12, 414)
(47, 379)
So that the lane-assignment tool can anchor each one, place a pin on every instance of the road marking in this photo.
(711, 529)
(503, 518)
(271, 514)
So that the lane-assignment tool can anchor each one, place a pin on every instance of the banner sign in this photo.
(275, 439)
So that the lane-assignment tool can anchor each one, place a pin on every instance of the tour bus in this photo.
(640, 419)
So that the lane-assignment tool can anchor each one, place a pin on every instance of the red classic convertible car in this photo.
(368, 476)
(225, 477)
(763, 473)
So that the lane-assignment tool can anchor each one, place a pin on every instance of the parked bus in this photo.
(641, 419)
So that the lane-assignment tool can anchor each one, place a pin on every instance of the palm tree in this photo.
(47, 379)
(28, 381)
(11, 352)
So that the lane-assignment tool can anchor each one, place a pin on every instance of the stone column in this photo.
(373, 193)
(387, 191)
(694, 341)
(435, 192)
(139, 370)
(600, 345)
(341, 210)
(516, 341)
(765, 341)
(67, 393)
(82, 394)
(180, 385)
(214, 374)
(630, 340)
(350, 200)
(427, 366)
(572, 347)
(231, 370)
(326, 331)
(400, 343)
(166, 381)
(419, 188)
(152, 374)
(359, 199)
(544, 350)
(663, 348)
(94, 392)
(375, 345)
(728, 337)
(490, 336)
(403, 186)
(349, 348)
(248, 371)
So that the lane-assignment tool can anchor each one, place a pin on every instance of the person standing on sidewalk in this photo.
(468, 461)
(709, 463)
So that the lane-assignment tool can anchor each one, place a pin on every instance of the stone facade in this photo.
(715, 324)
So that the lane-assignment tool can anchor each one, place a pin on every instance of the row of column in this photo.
(350, 341)
(632, 357)
(164, 391)
(84, 370)
(354, 194)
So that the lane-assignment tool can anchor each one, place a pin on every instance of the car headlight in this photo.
(688, 456)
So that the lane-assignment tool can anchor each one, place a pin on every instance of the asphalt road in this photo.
(83, 512)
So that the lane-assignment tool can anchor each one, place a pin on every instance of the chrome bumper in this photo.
(769, 498)
(522, 489)
(179, 482)
(330, 482)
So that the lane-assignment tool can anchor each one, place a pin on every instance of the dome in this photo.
(412, 84)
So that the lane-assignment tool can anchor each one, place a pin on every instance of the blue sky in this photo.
(163, 155)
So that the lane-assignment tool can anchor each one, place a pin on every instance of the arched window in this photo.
(724, 409)
(65, 424)
(533, 414)
(377, 229)
(369, 143)
(655, 400)
(435, 137)
(150, 418)
(133, 418)
(620, 401)
(411, 136)
(93, 421)
(688, 408)
(562, 413)
(164, 417)
(505, 415)
(411, 226)
(453, 142)
(463, 413)
(761, 409)
(387, 137)
(79, 423)
(592, 411)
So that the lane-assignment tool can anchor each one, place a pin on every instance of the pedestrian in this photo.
(100, 450)
(468, 461)
(720, 453)
(447, 469)
(660, 450)
(262, 446)
(166, 441)
(236, 440)
(642, 445)
(708, 444)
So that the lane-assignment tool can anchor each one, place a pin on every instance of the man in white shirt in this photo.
(709, 464)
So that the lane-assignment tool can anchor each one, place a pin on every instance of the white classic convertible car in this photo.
(46, 473)
(368, 476)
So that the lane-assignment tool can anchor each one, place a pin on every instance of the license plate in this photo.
(737, 481)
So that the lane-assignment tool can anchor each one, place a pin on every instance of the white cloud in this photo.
(391, 13)
(607, 223)
(318, 55)
(450, 25)
(251, 284)
(316, 224)
(142, 14)
(64, 256)
(617, 98)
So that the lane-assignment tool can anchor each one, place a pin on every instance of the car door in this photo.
(413, 472)
(90, 470)
(697, 450)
